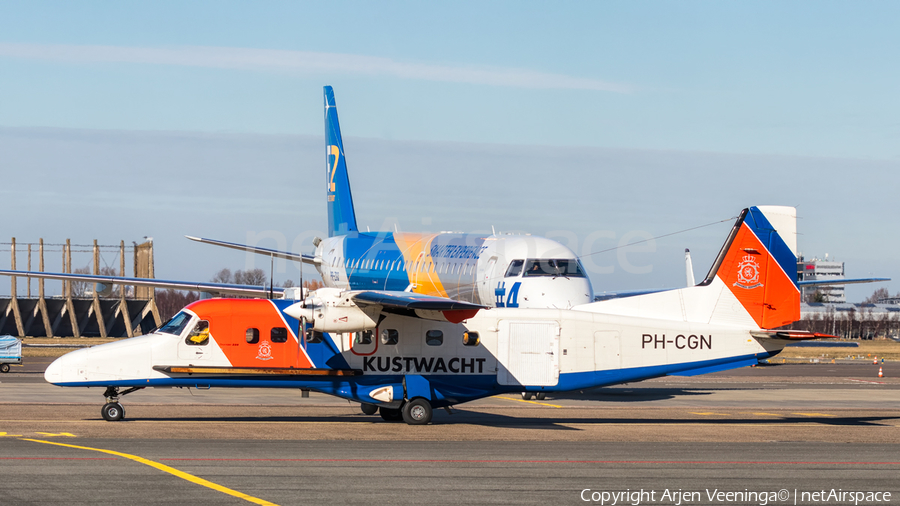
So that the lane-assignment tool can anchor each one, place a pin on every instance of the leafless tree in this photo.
(171, 301)
(253, 277)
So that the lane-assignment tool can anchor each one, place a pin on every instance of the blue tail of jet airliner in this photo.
(341, 216)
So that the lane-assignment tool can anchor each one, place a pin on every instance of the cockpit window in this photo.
(515, 267)
(176, 325)
(200, 335)
(568, 267)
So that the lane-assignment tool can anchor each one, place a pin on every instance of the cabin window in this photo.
(252, 335)
(470, 339)
(176, 325)
(515, 267)
(313, 337)
(389, 336)
(364, 337)
(279, 335)
(434, 338)
(200, 335)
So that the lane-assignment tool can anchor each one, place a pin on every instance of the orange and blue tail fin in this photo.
(758, 264)
(341, 215)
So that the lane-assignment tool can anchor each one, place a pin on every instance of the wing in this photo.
(417, 305)
(211, 288)
(307, 259)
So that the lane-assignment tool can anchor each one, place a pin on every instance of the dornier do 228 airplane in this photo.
(368, 347)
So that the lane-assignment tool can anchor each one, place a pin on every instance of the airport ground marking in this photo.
(766, 414)
(709, 413)
(4, 434)
(813, 414)
(530, 402)
(51, 434)
(166, 469)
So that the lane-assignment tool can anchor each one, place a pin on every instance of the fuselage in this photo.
(493, 270)
(254, 343)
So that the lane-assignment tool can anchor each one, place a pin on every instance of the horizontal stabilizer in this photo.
(308, 259)
(842, 281)
(792, 335)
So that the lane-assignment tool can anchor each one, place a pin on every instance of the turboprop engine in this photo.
(333, 310)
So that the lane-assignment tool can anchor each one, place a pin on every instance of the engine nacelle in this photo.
(333, 310)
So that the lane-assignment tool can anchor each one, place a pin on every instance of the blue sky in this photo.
(661, 116)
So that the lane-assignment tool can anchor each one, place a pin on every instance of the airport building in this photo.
(819, 269)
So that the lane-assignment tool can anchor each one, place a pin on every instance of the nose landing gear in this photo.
(113, 411)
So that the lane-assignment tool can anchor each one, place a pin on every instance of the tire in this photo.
(540, 396)
(4, 368)
(527, 395)
(112, 412)
(417, 412)
(368, 409)
(390, 414)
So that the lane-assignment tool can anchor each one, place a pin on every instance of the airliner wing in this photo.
(307, 259)
(212, 288)
(418, 305)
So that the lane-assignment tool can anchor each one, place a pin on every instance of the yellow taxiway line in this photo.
(171, 470)
(530, 402)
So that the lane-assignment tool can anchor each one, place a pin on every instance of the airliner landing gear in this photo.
(368, 409)
(390, 414)
(113, 411)
(540, 396)
(531, 395)
(417, 411)
(527, 395)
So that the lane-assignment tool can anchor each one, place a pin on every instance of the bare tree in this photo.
(224, 276)
(253, 277)
(881, 293)
(171, 301)
(80, 288)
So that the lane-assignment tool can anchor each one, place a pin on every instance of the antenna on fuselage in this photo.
(271, 276)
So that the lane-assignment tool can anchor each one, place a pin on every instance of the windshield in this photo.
(176, 324)
(568, 267)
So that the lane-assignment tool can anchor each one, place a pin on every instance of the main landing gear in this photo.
(532, 395)
(113, 411)
(416, 411)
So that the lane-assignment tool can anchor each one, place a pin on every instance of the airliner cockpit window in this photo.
(569, 268)
(176, 325)
(515, 267)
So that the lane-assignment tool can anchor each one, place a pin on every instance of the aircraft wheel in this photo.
(417, 411)
(527, 395)
(368, 409)
(4, 367)
(112, 412)
(540, 396)
(390, 414)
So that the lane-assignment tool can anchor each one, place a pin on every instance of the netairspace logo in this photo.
(716, 496)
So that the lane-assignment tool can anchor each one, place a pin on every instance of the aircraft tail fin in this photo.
(341, 215)
(758, 264)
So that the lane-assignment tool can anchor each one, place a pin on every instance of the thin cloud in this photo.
(304, 62)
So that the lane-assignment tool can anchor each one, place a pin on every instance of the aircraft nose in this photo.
(65, 368)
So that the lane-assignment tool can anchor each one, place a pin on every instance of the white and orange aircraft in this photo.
(405, 354)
